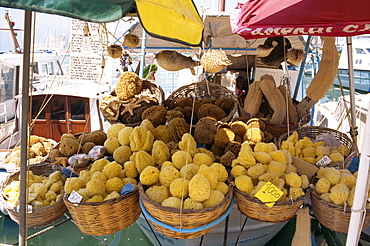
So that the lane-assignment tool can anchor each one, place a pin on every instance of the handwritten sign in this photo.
(269, 194)
(323, 161)
(74, 197)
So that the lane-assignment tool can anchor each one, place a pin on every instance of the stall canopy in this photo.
(268, 18)
(177, 21)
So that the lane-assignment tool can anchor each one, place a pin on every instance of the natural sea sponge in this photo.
(157, 193)
(190, 204)
(142, 160)
(162, 132)
(179, 188)
(202, 159)
(222, 187)
(160, 152)
(234, 147)
(270, 177)
(155, 114)
(339, 195)
(227, 159)
(131, 171)
(122, 154)
(128, 85)
(69, 147)
(181, 158)
(322, 186)
(246, 159)
(178, 127)
(215, 198)
(149, 176)
(98, 165)
(293, 179)
(262, 157)
(95, 187)
(71, 184)
(344, 150)
(199, 188)
(333, 175)
(222, 172)
(172, 202)
(100, 176)
(141, 139)
(348, 179)
(114, 129)
(255, 171)
(239, 128)
(188, 171)
(211, 174)
(276, 167)
(279, 156)
(97, 198)
(212, 111)
(167, 175)
(111, 144)
(205, 130)
(113, 184)
(55, 153)
(113, 194)
(223, 137)
(112, 169)
(238, 170)
(244, 183)
(295, 192)
(124, 135)
(188, 144)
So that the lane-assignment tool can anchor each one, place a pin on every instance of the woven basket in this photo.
(41, 216)
(257, 210)
(275, 129)
(107, 217)
(332, 216)
(152, 89)
(313, 131)
(189, 218)
(204, 90)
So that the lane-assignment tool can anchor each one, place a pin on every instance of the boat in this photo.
(333, 114)
(361, 64)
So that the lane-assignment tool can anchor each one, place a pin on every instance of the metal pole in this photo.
(24, 128)
(301, 69)
(358, 210)
(143, 48)
(351, 89)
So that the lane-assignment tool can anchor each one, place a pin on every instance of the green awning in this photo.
(177, 21)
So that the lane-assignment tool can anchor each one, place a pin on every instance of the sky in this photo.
(47, 24)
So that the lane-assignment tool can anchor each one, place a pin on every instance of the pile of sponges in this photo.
(313, 151)
(253, 168)
(337, 186)
(41, 190)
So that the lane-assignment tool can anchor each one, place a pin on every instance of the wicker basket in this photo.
(204, 90)
(167, 217)
(107, 217)
(275, 129)
(332, 216)
(41, 216)
(313, 131)
(152, 89)
(257, 210)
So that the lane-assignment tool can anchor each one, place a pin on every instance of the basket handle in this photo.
(175, 229)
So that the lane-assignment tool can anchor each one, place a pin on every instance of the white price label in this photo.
(74, 197)
(323, 161)
(29, 208)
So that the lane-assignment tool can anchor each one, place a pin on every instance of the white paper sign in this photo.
(323, 161)
(74, 197)
(29, 208)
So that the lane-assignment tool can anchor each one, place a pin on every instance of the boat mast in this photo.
(17, 48)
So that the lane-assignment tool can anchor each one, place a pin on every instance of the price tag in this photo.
(29, 208)
(323, 161)
(269, 194)
(74, 197)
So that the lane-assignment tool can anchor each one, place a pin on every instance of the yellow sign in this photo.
(269, 194)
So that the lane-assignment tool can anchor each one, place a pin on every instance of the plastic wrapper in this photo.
(97, 152)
